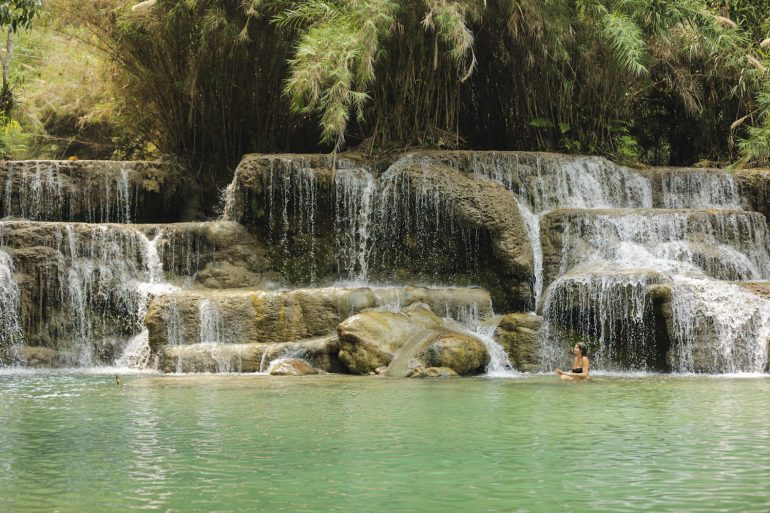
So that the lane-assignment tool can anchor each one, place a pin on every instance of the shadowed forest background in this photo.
(648, 82)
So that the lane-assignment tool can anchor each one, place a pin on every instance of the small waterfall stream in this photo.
(10, 328)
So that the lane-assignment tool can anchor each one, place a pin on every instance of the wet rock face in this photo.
(460, 226)
(754, 185)
(417, 221)
(91, 191)
(517, 333)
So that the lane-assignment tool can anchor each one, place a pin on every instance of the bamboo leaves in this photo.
(625, 39)
(334, 58)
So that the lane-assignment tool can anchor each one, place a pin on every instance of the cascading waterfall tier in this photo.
(651, 267)
(629, 233)
(612, 308)
(723, 244)
(718, 327)
(357, 224)
(88, 191)
(85, 287)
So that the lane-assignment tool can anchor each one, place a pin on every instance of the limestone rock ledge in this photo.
(244, 316)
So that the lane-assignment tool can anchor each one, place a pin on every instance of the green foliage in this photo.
(18, 14)
(334, 59)
(755, 147)
(209, 80)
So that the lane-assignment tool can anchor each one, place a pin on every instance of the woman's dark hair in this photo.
(583, 348)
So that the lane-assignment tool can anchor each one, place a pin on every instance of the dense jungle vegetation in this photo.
(664, 82)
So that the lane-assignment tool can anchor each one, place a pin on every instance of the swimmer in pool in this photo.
(580, 365)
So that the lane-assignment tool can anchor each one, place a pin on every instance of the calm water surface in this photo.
(76, 442)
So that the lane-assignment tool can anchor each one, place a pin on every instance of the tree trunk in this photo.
(7, 59)
(6, 98)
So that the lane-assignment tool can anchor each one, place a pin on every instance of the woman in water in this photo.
(579, 365)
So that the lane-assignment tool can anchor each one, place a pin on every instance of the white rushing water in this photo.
(10, 328)
(355, 192)
(136, 353)
(210, 323)
(68, 191)
(731, 324)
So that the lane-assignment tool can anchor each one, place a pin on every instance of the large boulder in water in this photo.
(403, 342)
(462, 353)
(370, 339)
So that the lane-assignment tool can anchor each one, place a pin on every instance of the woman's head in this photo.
(580, 346)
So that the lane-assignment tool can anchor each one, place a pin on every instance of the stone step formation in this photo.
(345, 265)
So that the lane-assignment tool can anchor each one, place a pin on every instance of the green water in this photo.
(79, 443)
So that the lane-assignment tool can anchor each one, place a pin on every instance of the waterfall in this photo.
(542, 184)
(731, 324)
(499, 365)
(105, 275)
(355, 192)
(137, 353)
(412, 210)
(610, 305)
(210, 322)
(291, 199)
(695, 188)
(727, 245)
(10, 328)
(68, 191)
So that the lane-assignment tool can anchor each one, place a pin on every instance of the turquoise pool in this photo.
(76, 442)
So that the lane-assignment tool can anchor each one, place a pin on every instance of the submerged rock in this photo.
(431, 372)
(38, 357)
(291, 367)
